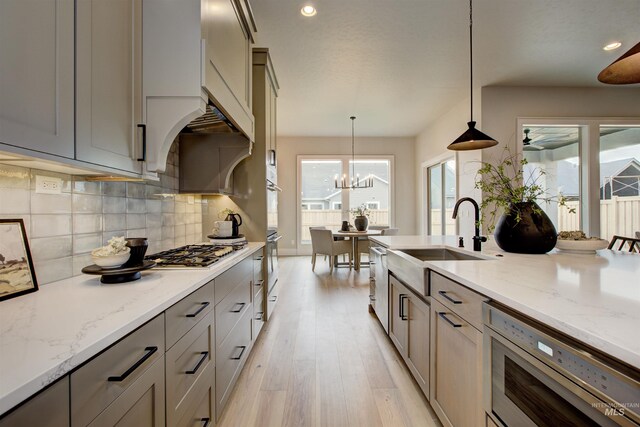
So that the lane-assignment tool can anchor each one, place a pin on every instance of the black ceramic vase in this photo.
(361, 223)
(533, 234)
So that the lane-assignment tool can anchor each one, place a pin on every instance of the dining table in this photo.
(355, 242)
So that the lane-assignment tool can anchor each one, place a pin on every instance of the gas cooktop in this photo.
(191, 256)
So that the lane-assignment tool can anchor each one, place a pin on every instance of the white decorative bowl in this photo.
(581, 246)
(111, 261)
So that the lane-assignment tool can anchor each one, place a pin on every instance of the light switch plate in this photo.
(48, 185)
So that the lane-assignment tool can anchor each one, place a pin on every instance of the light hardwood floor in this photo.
(324, 360)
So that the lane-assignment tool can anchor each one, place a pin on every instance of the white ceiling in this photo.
(399, 64)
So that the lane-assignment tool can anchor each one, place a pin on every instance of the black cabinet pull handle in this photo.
(149, 352)
(242, 349)
(144, 142)
(403, 316)
(241, 304)
(205, 421)
(274, 298)
(260, 258)
(444, 294)
(259, 283)
(200, 362)
(203, 305)
(449, 321)
(259, 315)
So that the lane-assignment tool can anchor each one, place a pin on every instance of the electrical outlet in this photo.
(48, 185)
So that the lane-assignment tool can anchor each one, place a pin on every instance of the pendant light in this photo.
(624, 70)
(472, 139)
(356, 182)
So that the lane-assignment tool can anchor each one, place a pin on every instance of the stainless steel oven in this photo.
(536, 377)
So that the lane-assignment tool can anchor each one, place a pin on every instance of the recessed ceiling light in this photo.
(612, 46)
(308, 10)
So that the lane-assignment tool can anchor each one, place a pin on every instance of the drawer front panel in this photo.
(227, 281)
(184, 315)
(203, 413)
(189, 361)
(231, 309)
(91, 388)
(258, 266)
(272, 299)
(463, 301)
(259, 316)
(230, 357)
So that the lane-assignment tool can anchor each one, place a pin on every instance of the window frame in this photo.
(425, 184)
(589, 152)
(305, 248)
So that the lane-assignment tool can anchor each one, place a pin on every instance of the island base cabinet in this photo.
(456, 364)
(418, 342)
(50, 408)
(398, 326)
(141, 404)
(203, 415)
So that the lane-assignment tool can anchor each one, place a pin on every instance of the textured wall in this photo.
(63, 228)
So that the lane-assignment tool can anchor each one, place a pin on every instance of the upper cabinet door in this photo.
(36, 75)
(227, 29)
(109, 83)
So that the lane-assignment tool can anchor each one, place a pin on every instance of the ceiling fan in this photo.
(527, 143)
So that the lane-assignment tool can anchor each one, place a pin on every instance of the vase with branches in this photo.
(508, 191)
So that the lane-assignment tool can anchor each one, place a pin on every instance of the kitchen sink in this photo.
(441, 254)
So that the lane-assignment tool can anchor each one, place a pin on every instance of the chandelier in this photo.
(356, 182)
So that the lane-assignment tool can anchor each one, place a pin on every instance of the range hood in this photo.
(210, 147)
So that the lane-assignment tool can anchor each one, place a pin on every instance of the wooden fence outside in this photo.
(619, 215)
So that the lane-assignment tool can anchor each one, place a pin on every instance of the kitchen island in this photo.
(497, 330)
(47, 334)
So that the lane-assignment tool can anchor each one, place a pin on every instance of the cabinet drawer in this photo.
(230, 310)
(184, 314)
(227, 281)
(230, 358)
(98, 383)
(462, 301)
(258, 316)
(189, 361)
(49, 408)
(272, 299)
(258, 267)
(140, 405)
(203, 413)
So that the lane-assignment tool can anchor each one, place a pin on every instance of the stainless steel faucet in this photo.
(477, 239)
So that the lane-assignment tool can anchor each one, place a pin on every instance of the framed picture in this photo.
(16, 267)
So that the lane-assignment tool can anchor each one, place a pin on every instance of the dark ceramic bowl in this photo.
(138, 247)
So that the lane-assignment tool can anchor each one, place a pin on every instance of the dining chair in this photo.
(634, 244)
(322, 243)
(390, 232)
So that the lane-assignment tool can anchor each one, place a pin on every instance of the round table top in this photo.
(357, 233)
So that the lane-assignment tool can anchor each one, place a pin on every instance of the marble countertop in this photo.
(593, 298)
(46, 334)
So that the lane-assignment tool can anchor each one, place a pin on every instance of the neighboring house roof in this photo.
(570, 178)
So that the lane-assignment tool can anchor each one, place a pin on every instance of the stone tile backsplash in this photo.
(63, 228)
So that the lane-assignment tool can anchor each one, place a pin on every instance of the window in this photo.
(553, 157)
(595, 165)
(441, 198)
(321, 204)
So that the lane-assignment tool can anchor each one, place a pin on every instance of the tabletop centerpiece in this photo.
(523, 227)
(361, 220)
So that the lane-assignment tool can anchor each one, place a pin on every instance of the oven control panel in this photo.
(567, 359)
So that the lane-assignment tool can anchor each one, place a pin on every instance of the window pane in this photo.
(619, 181)
(376, 198)
(554, 164)
(435, 200)
(321, 201)
(449, 196)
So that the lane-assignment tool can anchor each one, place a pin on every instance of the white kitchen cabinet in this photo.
(227, 30)
(37, 75)
(109, 83)
(409, 328)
